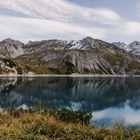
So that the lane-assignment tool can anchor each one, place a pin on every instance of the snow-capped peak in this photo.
(85, 43)
(133, 47)
(134, 44)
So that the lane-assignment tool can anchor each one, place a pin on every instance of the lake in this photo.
(110, 100)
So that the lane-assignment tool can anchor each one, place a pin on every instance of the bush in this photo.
(74, 116)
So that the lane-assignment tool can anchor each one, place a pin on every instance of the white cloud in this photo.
(63, 19)
(61, 10)
(29, 28)
(132, 28)
(126, 29)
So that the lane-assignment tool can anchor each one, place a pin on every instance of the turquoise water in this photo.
(110, 100)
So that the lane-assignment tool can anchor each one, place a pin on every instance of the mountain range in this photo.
(85, 56)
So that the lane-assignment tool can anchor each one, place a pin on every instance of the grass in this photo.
(36, 69)
(67, 68)
(44, 124)
(63, 68)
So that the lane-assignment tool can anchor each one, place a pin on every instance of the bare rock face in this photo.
(11, 48)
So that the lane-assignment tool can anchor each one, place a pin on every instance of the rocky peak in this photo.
(134, 47)
(10, 41)
(87, 42)
(134, 44)
(120, 44)
(42, 46)
(88, 39)
(11, 48)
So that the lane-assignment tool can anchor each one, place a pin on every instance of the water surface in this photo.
(109, 99)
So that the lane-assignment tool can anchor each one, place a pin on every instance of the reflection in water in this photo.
(108, 98)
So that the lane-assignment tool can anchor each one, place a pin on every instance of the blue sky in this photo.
(110, 20)
(126, 8)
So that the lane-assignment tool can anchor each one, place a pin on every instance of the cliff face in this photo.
(87, 56)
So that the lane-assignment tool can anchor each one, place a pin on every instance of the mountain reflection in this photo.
(90, 94)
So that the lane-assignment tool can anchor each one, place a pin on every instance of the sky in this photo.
(109, 20)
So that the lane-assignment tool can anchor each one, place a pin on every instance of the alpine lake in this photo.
(109, 99)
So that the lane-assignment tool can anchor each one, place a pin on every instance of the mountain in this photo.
(133, 48)
(120, 44)
(11, 48)
(86, 56)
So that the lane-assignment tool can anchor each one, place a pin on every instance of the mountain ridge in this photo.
(85, 56)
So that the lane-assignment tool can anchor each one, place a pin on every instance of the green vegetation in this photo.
(43, 124)
(64, 68)
(67, 68)
(36, 69)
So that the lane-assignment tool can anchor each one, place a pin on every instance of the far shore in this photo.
(64, 75)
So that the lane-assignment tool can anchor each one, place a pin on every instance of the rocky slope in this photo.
(86, 56)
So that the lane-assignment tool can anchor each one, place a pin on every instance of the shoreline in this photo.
(63, 75)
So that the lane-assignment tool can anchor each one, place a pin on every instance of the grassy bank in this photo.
(44, 124)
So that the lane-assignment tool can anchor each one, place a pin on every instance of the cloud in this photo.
(126, 29)
(61, 10)
(131, 28)
(43, 19)
(29, 28)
